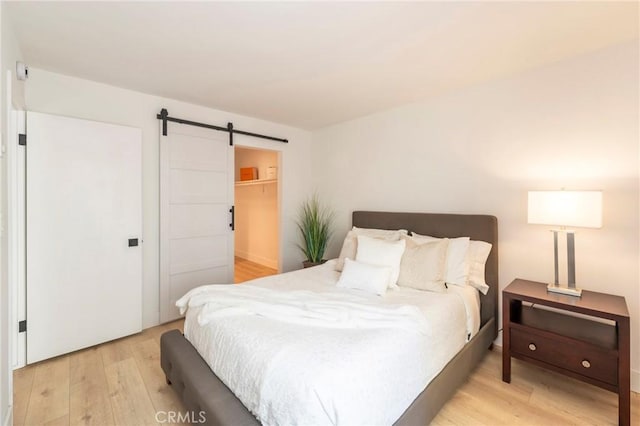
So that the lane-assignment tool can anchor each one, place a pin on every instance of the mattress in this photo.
(286, 373)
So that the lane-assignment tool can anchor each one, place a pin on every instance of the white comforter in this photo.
(301, 307)
(323, 355)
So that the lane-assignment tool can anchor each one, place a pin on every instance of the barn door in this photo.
(83, 226)
(196, 196)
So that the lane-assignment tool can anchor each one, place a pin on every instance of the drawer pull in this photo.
(532, 347)
(586, 364)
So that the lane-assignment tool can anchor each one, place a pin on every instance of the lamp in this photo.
(565, 208)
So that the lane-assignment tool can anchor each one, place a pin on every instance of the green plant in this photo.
(314, 223)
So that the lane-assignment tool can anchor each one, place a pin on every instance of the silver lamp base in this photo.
(570, 291)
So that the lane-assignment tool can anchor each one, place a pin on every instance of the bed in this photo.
(201, 390)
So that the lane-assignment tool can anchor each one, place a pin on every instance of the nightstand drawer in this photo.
(583, 359)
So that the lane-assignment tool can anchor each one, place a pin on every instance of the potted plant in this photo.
(314, 223)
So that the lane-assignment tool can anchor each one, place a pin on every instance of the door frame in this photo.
(246, 143)
(16, 220)
(16, 238)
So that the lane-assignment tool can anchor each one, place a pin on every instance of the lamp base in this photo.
(570, 291)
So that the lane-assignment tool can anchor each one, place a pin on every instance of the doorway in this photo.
(257, 207)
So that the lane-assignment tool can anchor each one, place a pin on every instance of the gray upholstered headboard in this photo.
(477, 227)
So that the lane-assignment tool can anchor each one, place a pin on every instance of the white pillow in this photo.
(457, 260)
(423, 266)
(361, 276)
(383, 253)
(478, 255)
(350, 244)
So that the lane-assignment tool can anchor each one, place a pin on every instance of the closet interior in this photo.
(257, 228)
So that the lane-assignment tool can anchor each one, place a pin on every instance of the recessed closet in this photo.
(257, 200)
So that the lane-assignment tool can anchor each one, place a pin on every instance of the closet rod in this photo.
(164, 116)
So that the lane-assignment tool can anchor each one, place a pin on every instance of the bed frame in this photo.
(201, 390)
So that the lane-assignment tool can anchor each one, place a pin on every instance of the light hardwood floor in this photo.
(535, 396)
(246, 270)
(116, 383)
(121, 383)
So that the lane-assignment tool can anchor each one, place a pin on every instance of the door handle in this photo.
(232, 225)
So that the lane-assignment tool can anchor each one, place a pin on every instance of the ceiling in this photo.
(309, 64)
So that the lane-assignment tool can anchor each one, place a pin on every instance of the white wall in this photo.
(69, 96)
(256, 210)
(572, 124)
(10, 54)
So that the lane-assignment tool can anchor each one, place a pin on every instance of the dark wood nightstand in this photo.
(583, 348)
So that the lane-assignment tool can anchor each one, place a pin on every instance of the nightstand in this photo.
(596, 352)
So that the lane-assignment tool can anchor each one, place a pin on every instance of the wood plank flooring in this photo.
(246, 270)
(534, 397)
(116, 383)
(121, 383)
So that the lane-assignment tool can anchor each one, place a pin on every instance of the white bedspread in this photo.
(301, 307)
(297, 350)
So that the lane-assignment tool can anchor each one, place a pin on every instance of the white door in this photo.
(84, 210)
(196, 195)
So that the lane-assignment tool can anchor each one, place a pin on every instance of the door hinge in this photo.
(22, 139)
(22, 326)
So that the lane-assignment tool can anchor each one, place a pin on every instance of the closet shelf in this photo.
(255, 182)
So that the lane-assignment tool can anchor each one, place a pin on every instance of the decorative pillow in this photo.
(350, 244)
(457, 260)
(423, 266)
(478, 255)
(383, 253)
(362, 276)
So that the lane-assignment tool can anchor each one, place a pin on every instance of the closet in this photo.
(256, 213)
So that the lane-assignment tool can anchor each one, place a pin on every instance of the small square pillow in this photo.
(478, 255)
(457, 260)
(362, 276)
(423, 266)
(382, 253)
(350, 244)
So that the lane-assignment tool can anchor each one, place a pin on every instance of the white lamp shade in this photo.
(566, 208)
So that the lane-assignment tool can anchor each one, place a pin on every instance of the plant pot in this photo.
(309, 264)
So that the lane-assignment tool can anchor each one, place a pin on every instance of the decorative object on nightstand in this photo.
(581, 347)
(565, 208)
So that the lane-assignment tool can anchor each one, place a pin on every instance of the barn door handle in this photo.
(232, 225)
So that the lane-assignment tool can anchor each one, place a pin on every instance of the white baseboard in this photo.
(271, 263)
